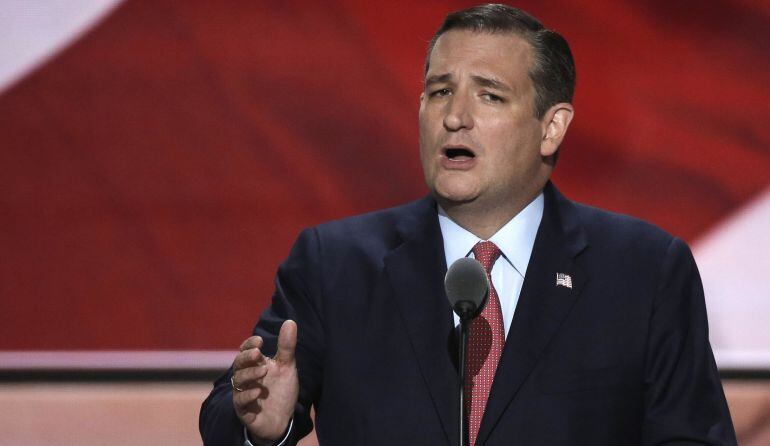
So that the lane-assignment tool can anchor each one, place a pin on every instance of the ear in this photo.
(422, 96)
(554, 126)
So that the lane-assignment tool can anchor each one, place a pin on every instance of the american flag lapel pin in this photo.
(564, 280)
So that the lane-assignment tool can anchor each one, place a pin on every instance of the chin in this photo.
(455, 196)
(455, 188)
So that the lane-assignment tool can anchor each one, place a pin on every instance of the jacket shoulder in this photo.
(382, 227)
(621, 232)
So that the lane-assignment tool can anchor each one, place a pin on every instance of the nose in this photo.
(458, 113)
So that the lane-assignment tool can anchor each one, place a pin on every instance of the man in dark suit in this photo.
(595, 332)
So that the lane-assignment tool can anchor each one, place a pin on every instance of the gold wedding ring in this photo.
(233, 385)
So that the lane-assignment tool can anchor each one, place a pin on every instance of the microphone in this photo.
(467, 289)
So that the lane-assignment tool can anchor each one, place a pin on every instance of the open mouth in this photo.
(458, 153)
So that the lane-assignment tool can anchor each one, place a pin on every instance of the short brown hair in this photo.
(553, 72)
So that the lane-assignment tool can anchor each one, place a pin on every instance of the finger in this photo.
(248, 396)
(250, 376)
(248, 358)
(287, 342)
(252, 342)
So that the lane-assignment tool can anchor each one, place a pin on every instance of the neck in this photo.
(484, 220)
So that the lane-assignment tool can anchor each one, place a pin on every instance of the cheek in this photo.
(424, 135)
(425, 157)
(428, 136)
(424, 116)
(522, 141)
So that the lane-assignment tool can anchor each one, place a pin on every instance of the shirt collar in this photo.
(515, 239)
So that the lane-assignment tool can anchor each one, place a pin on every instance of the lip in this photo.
(457, 163)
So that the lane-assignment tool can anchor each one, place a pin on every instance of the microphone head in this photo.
(467, 287)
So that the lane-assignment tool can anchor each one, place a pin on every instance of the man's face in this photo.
(479, 138)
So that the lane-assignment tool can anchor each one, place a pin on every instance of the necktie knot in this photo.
(486, 253)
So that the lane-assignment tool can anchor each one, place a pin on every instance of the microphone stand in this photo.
(466, 316)
(467, 288)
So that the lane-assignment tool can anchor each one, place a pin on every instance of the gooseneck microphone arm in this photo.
(467, 289)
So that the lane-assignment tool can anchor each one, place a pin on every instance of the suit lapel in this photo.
(416, 270)
(542, 305)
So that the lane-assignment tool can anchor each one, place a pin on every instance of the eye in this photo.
(441, 92)
(491, 97)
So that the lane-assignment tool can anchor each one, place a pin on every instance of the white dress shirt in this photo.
(515, 240)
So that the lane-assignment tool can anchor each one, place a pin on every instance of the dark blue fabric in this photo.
(621, 358)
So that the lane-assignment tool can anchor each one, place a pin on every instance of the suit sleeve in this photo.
(298, 297)
(684, 400)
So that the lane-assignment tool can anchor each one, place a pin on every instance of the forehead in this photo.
(501, 54)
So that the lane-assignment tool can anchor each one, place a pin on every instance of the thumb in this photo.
(287, 342)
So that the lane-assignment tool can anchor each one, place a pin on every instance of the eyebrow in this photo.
(479, 80)
(491, 83)
(438, 79)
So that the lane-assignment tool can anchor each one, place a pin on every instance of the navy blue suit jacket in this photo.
(621, 358)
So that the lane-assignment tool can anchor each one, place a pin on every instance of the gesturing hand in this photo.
(265, 389)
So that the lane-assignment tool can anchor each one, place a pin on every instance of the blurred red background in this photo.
(154, 173)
